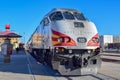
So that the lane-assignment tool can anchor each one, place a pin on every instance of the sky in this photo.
(25, 15)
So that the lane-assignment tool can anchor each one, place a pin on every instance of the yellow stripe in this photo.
(55, 36)
(55, 42)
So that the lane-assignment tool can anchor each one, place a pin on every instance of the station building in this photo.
(13, 36)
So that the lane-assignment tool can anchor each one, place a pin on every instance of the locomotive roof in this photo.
(62, 9)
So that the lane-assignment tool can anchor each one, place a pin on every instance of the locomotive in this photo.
(68, 42)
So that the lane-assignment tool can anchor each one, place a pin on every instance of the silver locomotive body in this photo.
(70, 43)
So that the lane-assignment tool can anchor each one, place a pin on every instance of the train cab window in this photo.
(45, 22)
(56, 16)
(68, 15)
(79, 16)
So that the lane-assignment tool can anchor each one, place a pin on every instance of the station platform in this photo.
(110, 57)
(24, 67)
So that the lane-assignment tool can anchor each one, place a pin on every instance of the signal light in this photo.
(61, 39)
(95, 40)
(64, 39)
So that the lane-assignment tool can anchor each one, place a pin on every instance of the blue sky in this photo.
(25, 15)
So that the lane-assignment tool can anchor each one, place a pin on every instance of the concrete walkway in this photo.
(17, 69)
(23, 67)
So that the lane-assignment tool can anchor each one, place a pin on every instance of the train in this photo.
(68, 42)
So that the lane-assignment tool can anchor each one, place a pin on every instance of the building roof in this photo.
(9, 34)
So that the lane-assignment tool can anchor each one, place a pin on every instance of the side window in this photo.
(56, 16)
(68, 15)
(42, 23)
(45, 22)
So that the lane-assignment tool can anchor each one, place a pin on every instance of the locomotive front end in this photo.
(73, 41)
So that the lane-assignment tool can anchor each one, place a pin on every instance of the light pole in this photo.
(24, 37)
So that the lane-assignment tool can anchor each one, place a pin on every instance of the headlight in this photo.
(67, 39)
(70, 51)
(61, 39)
(64, 39)
(95, 40)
